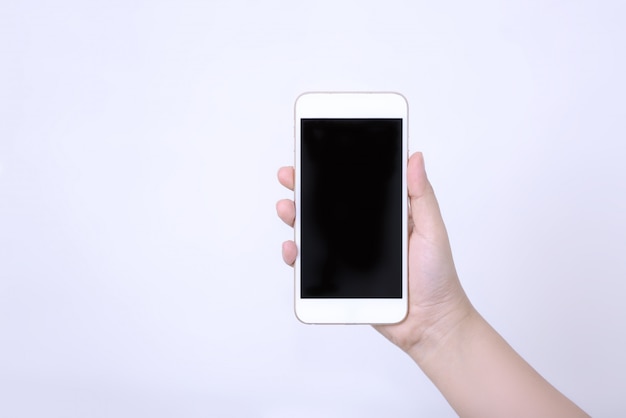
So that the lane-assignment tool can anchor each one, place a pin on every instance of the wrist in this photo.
(448, 331)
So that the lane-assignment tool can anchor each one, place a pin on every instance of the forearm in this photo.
(482, 376)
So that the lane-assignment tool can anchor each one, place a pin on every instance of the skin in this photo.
(472, 365)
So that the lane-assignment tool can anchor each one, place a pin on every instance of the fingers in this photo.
(289, 252)
(286, 177)
(285, 207)
(425, 212)
(286, 211)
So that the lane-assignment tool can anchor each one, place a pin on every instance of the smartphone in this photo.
(351, 225)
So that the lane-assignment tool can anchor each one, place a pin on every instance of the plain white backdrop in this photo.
(140, 268)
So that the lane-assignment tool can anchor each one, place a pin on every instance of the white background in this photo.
(140, 268)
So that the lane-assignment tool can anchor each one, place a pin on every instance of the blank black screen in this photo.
(351, 208)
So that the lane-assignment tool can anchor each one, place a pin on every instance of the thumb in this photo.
(427, 220)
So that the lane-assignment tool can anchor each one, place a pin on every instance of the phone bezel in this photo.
(364, 105)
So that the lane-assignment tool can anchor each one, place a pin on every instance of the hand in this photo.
(471, 364)
(437, 302)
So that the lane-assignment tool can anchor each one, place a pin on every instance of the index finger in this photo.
(285, 177)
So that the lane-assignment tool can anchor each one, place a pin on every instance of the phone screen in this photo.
(351, 208)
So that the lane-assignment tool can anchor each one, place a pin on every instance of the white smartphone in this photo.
(351, 225)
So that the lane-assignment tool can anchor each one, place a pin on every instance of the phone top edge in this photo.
(339, 92)
(328, 94)
(351, 104)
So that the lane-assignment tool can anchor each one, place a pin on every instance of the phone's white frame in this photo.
(353, 310)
